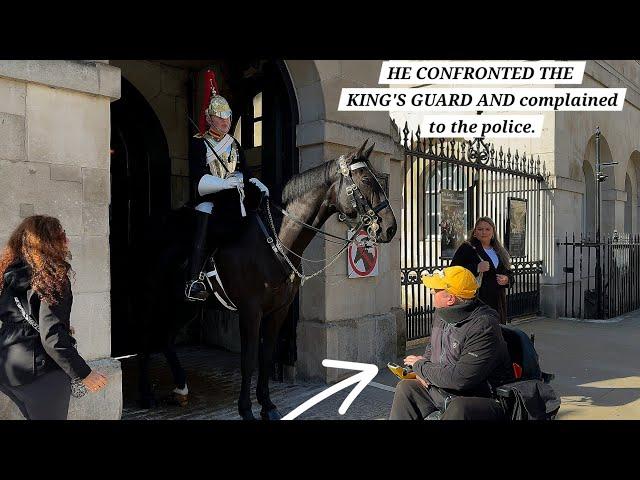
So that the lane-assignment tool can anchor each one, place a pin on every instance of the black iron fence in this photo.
(448, 184)
(601, 279)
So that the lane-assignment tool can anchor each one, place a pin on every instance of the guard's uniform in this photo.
(216, 185)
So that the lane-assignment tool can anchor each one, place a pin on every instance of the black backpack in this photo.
(530, 397)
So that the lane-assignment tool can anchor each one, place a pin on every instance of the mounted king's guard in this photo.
(223, 168)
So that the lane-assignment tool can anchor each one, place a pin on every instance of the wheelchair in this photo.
(526, 368)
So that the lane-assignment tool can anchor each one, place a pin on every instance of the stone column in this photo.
(54, 160)
(561, 215)
(342, 318)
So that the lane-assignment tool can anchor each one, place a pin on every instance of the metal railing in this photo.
(482, 180)
(605, 292)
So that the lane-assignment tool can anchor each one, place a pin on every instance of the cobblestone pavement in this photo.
(213, 377)
(595, 363)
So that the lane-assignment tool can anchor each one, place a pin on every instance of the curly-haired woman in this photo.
(36, 366)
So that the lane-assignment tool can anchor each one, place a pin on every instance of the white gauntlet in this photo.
(260, 185)
(212, 184)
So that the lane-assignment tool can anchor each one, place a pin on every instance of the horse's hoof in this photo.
(182, 400)
(177, 399)
(272, 414)
(247, 415)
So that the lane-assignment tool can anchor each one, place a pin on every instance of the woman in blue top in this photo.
(483, 253)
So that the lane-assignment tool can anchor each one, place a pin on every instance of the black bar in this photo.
(566, 275)
(580, 300)
(404, 234)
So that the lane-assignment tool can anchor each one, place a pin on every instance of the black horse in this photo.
(260, 285)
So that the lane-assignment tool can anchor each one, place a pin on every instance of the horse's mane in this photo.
(303, 182)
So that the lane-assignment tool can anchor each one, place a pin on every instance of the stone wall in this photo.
(342, 318)
(54, 160)
(165, 88)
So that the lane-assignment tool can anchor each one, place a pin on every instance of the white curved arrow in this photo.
(367, 373)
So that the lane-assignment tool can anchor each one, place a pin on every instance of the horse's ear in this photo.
(369, 150)
(361, 149)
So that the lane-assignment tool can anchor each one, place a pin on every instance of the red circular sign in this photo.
(361, 255)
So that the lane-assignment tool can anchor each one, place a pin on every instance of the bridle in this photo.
(366, 215)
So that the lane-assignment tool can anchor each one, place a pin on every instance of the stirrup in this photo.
(189, 287)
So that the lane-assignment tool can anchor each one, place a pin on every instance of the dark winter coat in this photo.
(490, 292)
(24, 353)
(467, 352)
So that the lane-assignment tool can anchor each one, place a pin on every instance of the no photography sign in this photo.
(362, 261)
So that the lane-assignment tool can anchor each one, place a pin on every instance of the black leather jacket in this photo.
(25, 354)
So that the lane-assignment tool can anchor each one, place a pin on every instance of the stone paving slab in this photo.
(596, 363)
(214, 384)
(597, 368)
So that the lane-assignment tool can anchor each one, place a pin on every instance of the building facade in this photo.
(102, 145)
(567, 148)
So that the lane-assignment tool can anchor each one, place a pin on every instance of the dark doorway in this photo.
(140, 191)
(265, 116)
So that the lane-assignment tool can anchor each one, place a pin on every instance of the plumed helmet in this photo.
(214, 105)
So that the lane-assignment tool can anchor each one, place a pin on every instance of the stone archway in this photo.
(306, 82)
(140, 191)
(588, 200)
(628, 206)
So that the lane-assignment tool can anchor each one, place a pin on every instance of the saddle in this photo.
(213, 277)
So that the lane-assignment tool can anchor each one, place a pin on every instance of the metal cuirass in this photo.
(226, 150)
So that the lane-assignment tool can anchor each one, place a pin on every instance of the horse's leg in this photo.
(181, 392)
(146, 399)
(250, 318)
(270, 329)
(145, 391)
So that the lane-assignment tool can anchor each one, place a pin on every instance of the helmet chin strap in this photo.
(216, 134)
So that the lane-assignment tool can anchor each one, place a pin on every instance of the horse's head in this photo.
(360, 199)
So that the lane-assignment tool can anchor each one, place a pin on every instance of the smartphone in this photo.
(402, 372)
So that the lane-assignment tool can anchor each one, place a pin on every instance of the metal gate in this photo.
(606, 291)
(484, 182)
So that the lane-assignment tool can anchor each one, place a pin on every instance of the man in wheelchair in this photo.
(468, 371)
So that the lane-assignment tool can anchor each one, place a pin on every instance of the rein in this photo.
(309, 227)
(367, 216)
(281, 248)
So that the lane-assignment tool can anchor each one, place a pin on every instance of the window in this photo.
(257, 120)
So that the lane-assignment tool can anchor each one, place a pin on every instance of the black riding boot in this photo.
(196, 289)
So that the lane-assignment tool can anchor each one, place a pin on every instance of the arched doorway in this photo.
(588, 201)
(140, 191)
(607, 187)
(265, 116)
(628, 206)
